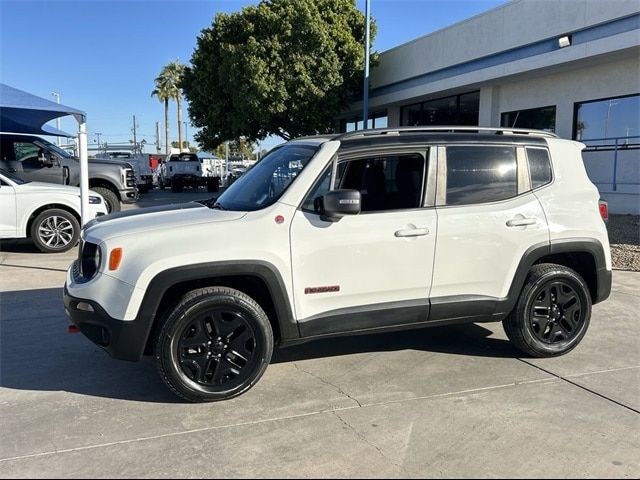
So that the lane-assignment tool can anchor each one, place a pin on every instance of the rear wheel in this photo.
(552, 314)
(55, 231)
(176, 186)
(214, 345)
(111, 199)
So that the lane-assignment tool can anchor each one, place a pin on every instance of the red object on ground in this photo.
(73, 329)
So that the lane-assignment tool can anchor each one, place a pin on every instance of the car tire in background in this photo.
(111, 199)
(214, 345)
(55, 231)
(176, 186)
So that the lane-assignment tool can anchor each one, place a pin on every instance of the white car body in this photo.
(364, 263)
(20, 202)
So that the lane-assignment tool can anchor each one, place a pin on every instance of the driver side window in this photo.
(28, 154)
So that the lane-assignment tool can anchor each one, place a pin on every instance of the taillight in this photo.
(604, 210)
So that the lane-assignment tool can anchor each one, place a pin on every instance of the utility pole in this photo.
(98, 135)
(158, 146)
(365, 100)
(135, 140)
(57, 95)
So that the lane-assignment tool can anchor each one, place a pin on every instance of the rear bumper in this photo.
(123, 340)
(605, 278)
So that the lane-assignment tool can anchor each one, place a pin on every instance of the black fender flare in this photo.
(264, 271)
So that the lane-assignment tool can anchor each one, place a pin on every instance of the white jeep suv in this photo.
(364, 232)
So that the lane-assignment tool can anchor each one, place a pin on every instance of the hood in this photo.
(119, 163)
(41, 187)
(163, 218)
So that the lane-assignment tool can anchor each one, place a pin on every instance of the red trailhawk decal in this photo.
(330, 288)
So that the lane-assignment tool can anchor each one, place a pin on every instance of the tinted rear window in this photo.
(481, 174)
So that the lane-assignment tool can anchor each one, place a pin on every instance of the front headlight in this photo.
(90, 260)
(95, 200)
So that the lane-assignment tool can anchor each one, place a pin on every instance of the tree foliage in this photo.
(284, 67)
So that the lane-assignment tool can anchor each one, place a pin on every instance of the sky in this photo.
(102, 56)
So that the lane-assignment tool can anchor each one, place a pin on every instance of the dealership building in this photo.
(571, 67)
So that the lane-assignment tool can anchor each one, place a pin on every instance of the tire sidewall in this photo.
(167, 347)
(111, 199)
(35, 227)
(528, 297)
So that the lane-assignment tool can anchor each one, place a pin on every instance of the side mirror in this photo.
(46, 159)
(334, 205)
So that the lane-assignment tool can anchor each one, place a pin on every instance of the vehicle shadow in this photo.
(37, 353)
(23, 245)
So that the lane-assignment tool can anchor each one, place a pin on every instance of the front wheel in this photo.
(214, 345)
(111, 200)
(552, 314)
(55, 231)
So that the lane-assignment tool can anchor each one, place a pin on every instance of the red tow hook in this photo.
(73, 329)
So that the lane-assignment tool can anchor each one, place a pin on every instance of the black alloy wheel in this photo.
(556, 314)
(552, 313)
(214, 345)
(218, 347)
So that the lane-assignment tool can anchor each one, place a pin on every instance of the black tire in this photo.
(110, 198)
(176, 186)
(55, 231)
(193, 349)
(212, 185)
(564, 296)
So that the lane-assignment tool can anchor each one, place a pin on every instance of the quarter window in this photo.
(480, 174)
(539, 166)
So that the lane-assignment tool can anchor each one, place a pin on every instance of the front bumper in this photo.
(123, 340)
(130, 195)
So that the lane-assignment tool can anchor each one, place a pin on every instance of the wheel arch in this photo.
(260, 280)
(49, 206)
(104, 183)
(584, 255)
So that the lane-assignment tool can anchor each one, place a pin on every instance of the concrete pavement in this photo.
(442, 402)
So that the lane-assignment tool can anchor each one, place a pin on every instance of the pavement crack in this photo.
(370, 443)
(326, 382)
(582, 387)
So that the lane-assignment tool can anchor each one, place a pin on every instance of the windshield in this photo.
(264, 183)
(15, 179)
(52, 148)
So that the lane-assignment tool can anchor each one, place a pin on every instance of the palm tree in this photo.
(174, 72)
(168, 87)
(164, 93)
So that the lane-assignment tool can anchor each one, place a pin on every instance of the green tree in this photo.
(283, 67)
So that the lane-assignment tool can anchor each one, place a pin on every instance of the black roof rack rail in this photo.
(446, 129)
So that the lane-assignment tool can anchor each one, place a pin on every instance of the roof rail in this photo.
(446, 129)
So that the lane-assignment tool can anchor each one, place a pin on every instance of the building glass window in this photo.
(455, 110)
(543, 118)
(607, 119)
(376, 120)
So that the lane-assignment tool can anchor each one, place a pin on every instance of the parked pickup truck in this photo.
(185, 170)
(140, 163)
(34, 159)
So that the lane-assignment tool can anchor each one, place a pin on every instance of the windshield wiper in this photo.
(218, 206)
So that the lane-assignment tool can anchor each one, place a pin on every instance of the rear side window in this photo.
(539, 166)
(481, 174)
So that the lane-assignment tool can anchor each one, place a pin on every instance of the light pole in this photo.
(365, 100)
(57, 95)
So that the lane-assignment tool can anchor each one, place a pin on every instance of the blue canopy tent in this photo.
(22, 112)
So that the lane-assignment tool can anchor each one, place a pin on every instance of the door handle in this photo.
(521, 222)
(412, 232)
